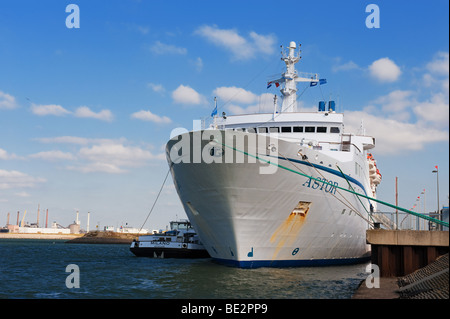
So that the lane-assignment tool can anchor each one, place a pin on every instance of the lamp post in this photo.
(424, 206)
(437, 187)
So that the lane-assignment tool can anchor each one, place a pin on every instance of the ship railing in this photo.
(388, 220)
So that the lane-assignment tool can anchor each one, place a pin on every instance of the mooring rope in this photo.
(346, 203)
(434, 220)
(154, 203)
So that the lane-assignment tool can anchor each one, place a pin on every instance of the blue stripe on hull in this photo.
(292, 263)
(328, 170)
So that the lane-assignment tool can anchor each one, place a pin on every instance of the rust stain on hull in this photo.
(288, 231)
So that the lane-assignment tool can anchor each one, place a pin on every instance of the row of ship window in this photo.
(291, 129)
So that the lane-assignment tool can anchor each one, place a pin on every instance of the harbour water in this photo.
(36, 269)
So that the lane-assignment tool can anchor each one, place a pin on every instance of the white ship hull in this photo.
(249, 219)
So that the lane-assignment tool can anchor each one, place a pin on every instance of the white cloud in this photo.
(241, 48)
(161, 48)
(393, 136)
(113, 158)
(156, 87)
(228, 39)
(435, 110)
(85, 112)
(81, 112)
(7, 101)
(99, 155)
(440, 64)
(385, 70)
(263, 43)
(49, 109)
(350, 65)
(430, 108)
(97, 167)
(4, 155)
(235, 94)
(438, 73)
(264, 102)
(117, 153)
(149, 116)
(395, 101)
(142, 29)
(198, 63)
(16, 179)
(408, 120)
(78, 140)
(187, 95)
(22, 194)
(53, 156)
(402, 105)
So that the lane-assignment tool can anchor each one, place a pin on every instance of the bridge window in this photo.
(298, 129)
(310, 129)
(274, 129)
(251, 130)
(262, 129)
(321, 129)
(286, 129)
(334, 130)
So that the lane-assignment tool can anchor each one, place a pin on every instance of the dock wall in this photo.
(401, 252)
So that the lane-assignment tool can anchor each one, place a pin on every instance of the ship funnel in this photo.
(321, 106)
(331, 106)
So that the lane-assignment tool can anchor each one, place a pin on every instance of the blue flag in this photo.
(214, 112)
(321, 81)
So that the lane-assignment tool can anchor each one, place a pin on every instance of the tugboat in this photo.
(181, 241)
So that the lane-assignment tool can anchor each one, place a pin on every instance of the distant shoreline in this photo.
(94, 237)
(38, 236)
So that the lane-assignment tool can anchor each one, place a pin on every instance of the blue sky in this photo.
(85, 112)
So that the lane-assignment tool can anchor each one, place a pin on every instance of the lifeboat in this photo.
(374, 172)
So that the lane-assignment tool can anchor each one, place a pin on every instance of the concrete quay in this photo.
(401, 252)
(429, 282)
(412, 265)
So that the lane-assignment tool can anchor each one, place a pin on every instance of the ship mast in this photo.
(290, 78)
(290, 88)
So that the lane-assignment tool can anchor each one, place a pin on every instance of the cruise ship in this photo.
(281, 188)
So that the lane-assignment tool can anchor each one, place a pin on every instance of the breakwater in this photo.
(97, 237)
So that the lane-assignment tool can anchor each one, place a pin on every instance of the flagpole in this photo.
(437, 188)
(215, 112)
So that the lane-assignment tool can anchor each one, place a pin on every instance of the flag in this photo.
(277, 84)
(269, 84)
(214, 112)
(436, 167)
(322, 81)
(312, 84)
